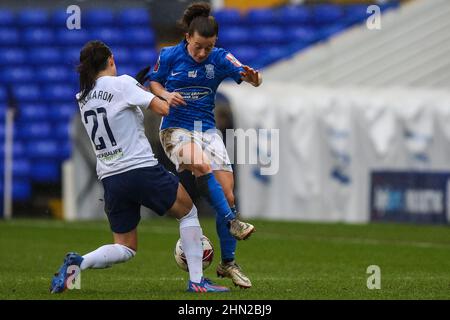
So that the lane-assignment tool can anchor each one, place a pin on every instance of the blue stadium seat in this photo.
(245, 54)
(392, 4)
(53, 74)
(234, 36)
(122, 55)
(110, 36)
(302, 34)
(68, 37)
(228, 17)
(38, 36)
(101, 17)
(21, 168)
(27, 92)
(18, 149)
(21, 189)
(9, 37)
(45, 56)
(46, 171)
(268, 35)
(271, 54)
(59, 93)
(355, 13)
(72, 55)
(63, 112)
(10, 56)
(17, 74)
(330, 30)
(134, 16)
(144, 57)
(295, 15)
(33, 17)
(66, 151)
(34, 112)
(7, 18)
(2, 131)
(43, 149)
(128, 69)
(142, 37)
(3, 96)
(62, 132)
(327, 14)
(295, 47)
(58, 18)
(27, 131)
(261, 16)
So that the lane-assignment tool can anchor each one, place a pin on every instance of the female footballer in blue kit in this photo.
(187, 76)
(131, 175)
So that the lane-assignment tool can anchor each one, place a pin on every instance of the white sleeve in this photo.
(134, 93)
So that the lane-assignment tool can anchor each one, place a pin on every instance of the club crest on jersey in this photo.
(192, 74)
(233, 60)
(209, 71)
(156, 67)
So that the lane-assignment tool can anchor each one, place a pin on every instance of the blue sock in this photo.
(227, 241)
(212, 190)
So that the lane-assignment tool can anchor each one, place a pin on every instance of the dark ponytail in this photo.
(93, 59)
(197, 17)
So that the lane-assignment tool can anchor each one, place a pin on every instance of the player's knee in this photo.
(126, 252)
(190, 219)
(201, 169)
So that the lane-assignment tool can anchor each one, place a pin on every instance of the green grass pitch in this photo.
(285, 260)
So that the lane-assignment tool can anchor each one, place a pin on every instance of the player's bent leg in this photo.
(191, 233)
(127, 239)
(103, 257)
(193, 158)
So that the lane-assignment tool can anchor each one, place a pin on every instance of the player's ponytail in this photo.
(93, 59)
(197, 18)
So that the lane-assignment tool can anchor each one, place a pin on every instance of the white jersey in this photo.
(115, 124)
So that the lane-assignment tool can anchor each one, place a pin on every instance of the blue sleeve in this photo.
(161, 69)
(231, 66)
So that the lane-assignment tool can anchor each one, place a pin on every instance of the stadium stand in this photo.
(411, 49)
(38, 55)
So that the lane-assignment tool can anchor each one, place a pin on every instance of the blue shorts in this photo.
(152, 187)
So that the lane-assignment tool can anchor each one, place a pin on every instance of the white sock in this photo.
(191, 233)
(106, 256)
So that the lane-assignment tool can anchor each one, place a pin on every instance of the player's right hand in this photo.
(174, 99)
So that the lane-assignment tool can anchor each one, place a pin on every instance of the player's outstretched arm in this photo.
(159, 106)
(251, 76)
(172, 98)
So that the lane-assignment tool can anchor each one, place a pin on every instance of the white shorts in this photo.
(172, 139)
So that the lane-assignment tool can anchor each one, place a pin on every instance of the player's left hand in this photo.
(251, 76)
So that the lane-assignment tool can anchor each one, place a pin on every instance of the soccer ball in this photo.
(208, 254)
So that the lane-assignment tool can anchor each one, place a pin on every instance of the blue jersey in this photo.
(196, 82)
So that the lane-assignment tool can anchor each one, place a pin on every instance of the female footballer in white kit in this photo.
(131, 175)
